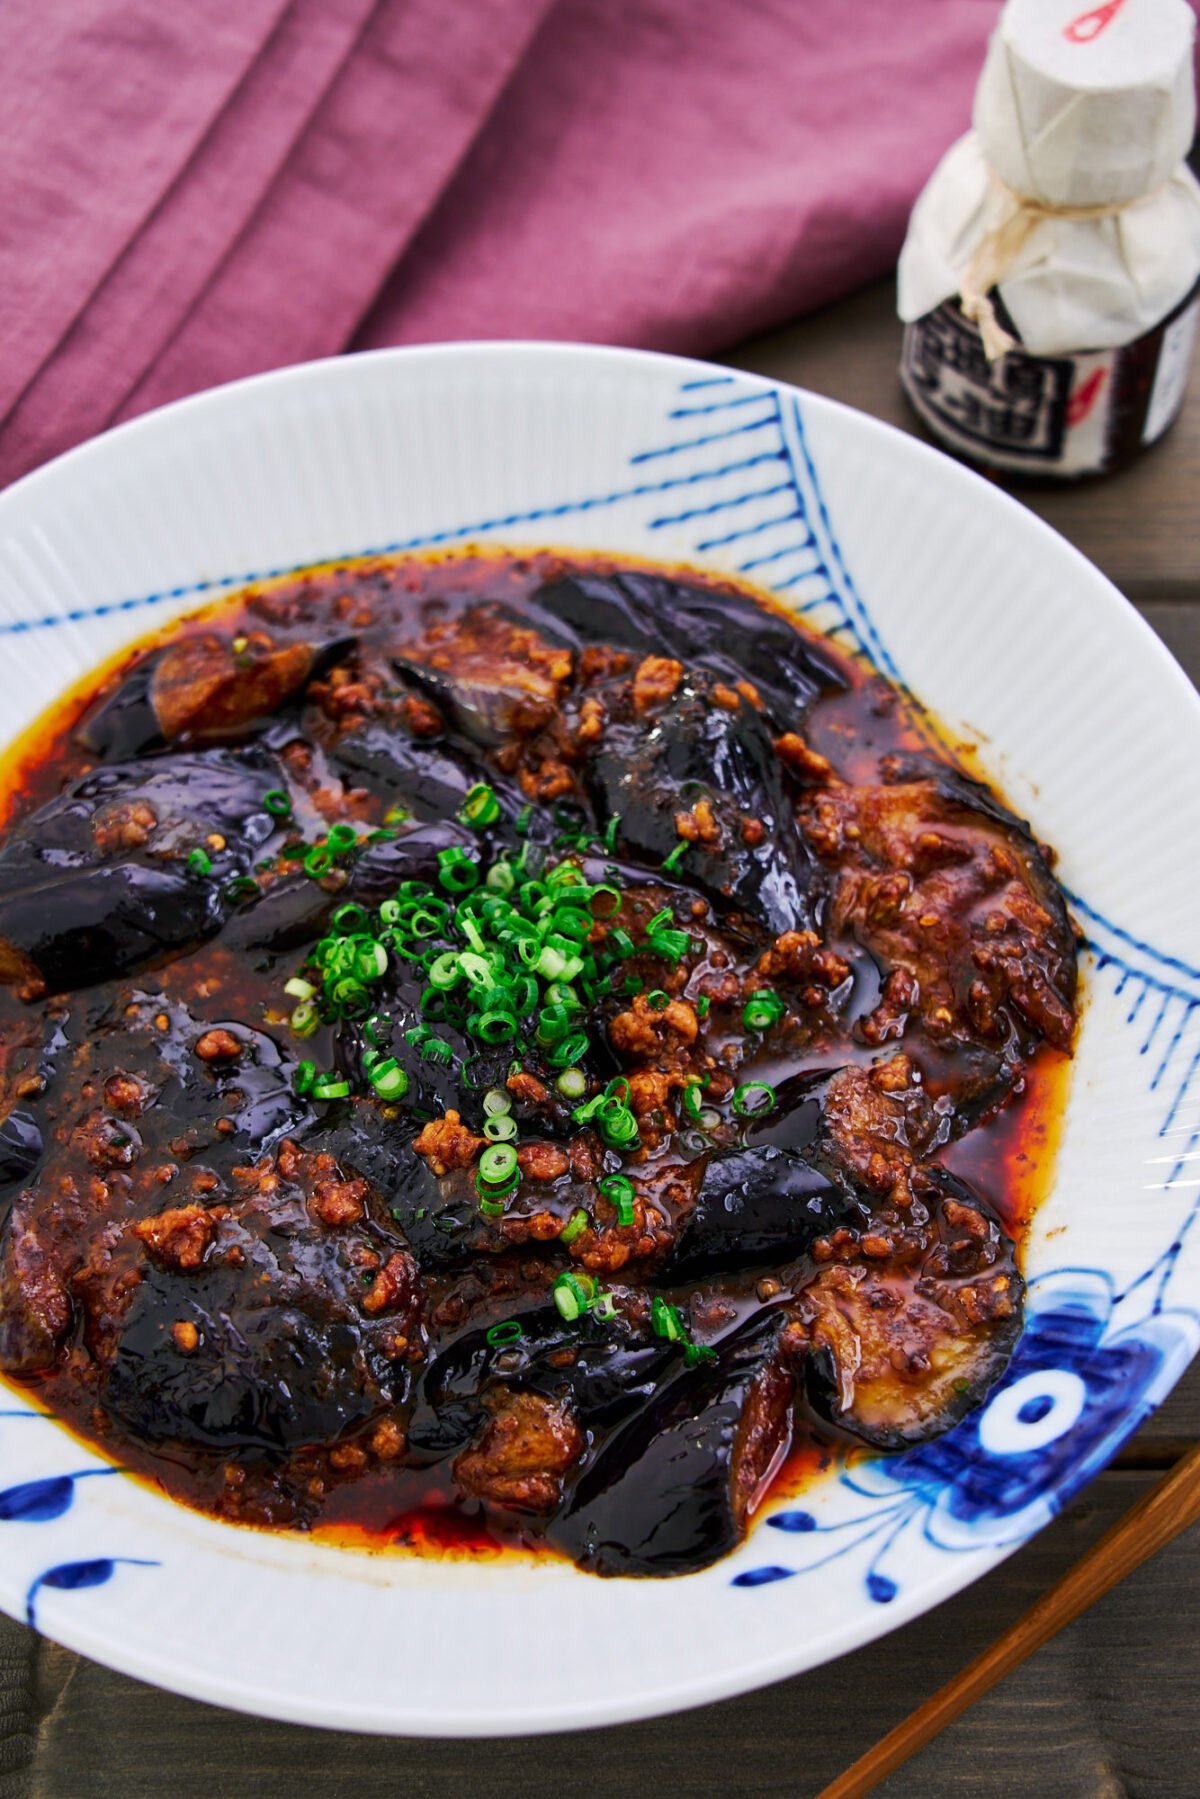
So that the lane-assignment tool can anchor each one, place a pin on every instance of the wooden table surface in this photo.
(1106, 1710)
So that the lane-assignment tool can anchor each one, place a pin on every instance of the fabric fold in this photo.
(136, 308)
(105, 103)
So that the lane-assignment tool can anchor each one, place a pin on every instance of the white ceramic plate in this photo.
(942, 581)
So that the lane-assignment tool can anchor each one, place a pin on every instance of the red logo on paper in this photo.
(1088, 26)
(1085, 397)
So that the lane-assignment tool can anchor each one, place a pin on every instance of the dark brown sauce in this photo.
(1010, 1159)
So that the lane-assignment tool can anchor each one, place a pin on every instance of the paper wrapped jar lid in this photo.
(1070, 196)
(1081, 106)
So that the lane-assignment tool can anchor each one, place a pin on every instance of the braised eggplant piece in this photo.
(757, 1207)
(565, 981)
(673, 1489)
(951, 894)
(655, 614)
(911, 1329)
(96, 884)
(203, 689)
(688, 770)
(21, 1148)
(432, 779)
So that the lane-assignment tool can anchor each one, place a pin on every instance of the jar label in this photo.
(1174, 362)
(1045, 415)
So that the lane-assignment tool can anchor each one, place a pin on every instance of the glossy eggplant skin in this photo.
(431, 779)
(724, 632)
(21, 1149)
(605, 1373)
(758, 1206)
(77, 908)
(646, 772)
(294, 911)
(268, 1376)
(667, 1492)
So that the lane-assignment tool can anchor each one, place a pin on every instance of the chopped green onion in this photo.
(388, 1078)
(342, 838)
(277, 803)
(610, 832)
(617, 1125)
(457, 873)
(496, 1027)
(199, 862)
(698, 1352)
(620, 942)
(658, 1000)
(500, 1129)
(568, 1050)
(329, 1086)
(671, 862)
(297, 988)
(496, 1102)
(763, 1010)
(436, 1049)
(572, 1083)
(481, 807)
(752, 1098)
(294, 852)
(397, 815)
(498, 1164)
(523, 819)
(671, 944)
(511, 1331)
(348, 919)
(618, 1191)
(500, 877)
(665, 1321)
(702, 1005)
(693, 1105)
(495, 1208)
(573, 1294)
(317, 862)
(240, 888)
(659, 919)
(304, 1020)
(305, 1075)
(574, 1227)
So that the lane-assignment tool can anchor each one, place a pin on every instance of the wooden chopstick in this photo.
(1146, 1528)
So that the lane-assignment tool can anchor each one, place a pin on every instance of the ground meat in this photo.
(542, 1161)
(180, 1238)
(527, 1088)
(801, 956)
(395, 1287)
(523, 1452)
(446, 1143)
(125, 825)
(125, 1093)
(655, 682)
(340, 1202)
(808, 763)
(218, 1046)
(644, 1033)
(699, 825)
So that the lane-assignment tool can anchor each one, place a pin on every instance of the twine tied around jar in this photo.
(1000, 246)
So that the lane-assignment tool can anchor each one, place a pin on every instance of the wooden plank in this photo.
(1142, 527)
(1105, 1709)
